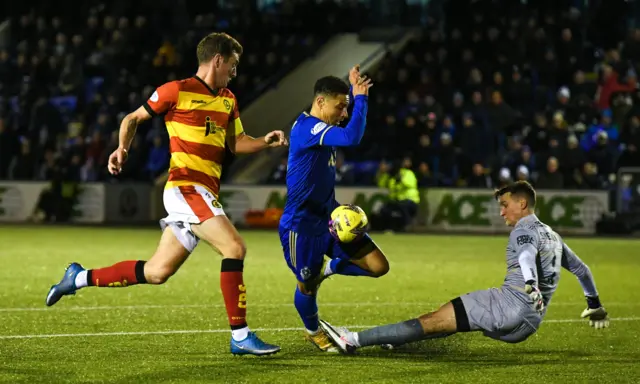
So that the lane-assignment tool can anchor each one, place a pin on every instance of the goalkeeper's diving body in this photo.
(304, 226)
(511, 313)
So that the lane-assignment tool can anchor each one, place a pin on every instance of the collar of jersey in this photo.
(529, 218)
(214, 92)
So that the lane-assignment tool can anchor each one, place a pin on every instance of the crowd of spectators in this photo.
(500, 91)
(69, 72)
(485, 96)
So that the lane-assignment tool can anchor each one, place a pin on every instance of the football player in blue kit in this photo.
(304, 226)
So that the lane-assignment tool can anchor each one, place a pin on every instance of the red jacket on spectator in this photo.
(608, 87)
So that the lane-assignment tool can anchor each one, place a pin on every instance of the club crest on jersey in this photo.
(305, 273)
(318, 128)
(227, 104)
(155, 97)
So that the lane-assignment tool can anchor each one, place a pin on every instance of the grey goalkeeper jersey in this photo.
(536, 252)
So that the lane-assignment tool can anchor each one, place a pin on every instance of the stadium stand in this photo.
(66, 85)
(480, 99)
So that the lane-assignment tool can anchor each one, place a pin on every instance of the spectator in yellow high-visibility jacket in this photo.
(404, 196)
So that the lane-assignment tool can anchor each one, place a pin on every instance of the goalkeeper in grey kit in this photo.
(511, 313)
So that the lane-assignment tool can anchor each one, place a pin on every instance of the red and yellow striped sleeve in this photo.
(164, 99)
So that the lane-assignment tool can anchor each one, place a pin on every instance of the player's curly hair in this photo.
(520, 188)
(217, 43)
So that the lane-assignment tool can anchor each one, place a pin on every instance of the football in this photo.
(348, 223)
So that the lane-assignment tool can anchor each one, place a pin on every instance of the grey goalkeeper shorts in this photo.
(504, 314)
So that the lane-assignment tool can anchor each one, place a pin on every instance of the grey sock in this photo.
(396, 334)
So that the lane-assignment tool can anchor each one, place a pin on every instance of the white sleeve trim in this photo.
(324, 133)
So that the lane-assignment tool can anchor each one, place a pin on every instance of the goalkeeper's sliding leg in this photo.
(501, 314)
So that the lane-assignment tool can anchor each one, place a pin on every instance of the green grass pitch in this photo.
(177, 332)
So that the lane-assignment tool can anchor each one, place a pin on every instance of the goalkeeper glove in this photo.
(598, 316)
(535, 295)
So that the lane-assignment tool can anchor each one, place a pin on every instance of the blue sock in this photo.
(346, 268)
(307, 309)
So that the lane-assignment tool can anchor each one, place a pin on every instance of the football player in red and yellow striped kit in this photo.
(201, 116)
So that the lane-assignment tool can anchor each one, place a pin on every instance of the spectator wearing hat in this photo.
(504, 177)
(522, 173)
(603, 154)
(590, 137)
(565, 106)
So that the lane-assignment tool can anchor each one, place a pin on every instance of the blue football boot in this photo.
(252, 345)
(66, 286)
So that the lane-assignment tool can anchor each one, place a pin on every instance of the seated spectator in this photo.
(479, 178)
(552, 178)
(424, 175)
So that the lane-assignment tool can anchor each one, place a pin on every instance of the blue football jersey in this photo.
(311, 177)
(311, 168)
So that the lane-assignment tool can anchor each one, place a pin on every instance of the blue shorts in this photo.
(305, 253)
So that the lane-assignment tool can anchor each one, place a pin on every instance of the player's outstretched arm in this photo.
(239, 142)
(595, 312)
(247, 144)
(162, 100)
(128, 128)
(354, 131)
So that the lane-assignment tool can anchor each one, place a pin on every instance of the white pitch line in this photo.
(143, 333)
(259, 305)
(585, 320)
(196, 331)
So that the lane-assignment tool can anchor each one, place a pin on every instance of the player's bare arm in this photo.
(248, 144)
(128, 128)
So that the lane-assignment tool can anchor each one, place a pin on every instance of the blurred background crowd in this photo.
(487, 92)
(70, 72)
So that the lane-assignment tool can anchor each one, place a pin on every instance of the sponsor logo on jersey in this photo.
(318, 128)
(524, 239)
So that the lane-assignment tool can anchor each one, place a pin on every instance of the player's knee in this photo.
(235, 250)
(157, 274)
(515, 339)
(308, 289)
(519, 335)
(380, 269)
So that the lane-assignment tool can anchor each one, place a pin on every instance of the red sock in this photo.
(122, 274)
(234, 292)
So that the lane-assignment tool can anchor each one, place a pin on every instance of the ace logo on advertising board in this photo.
(570, 211)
